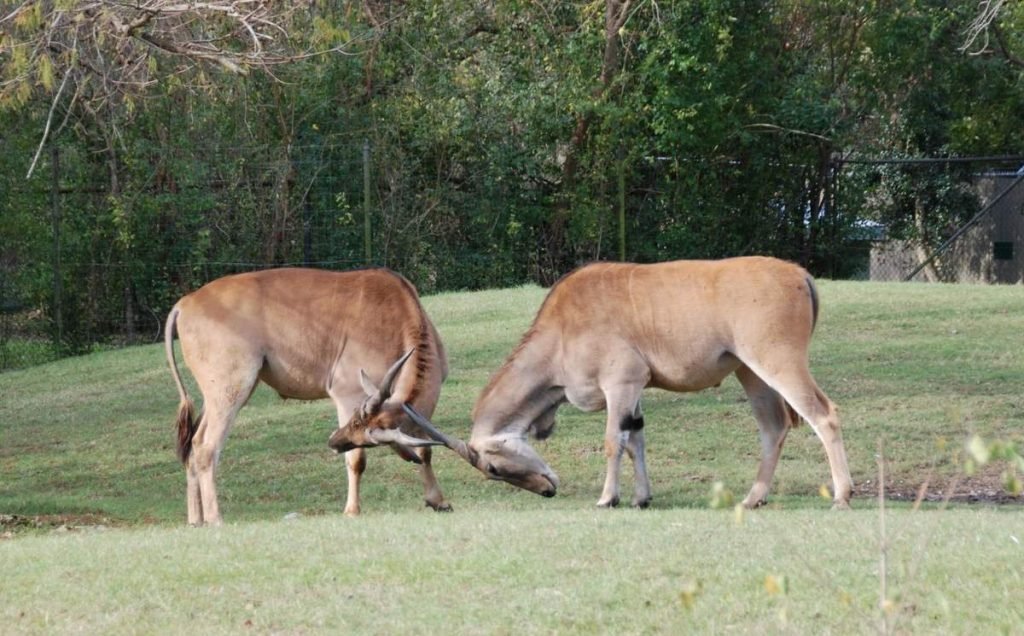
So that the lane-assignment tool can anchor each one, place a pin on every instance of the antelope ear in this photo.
(370, 406)
(389, 377)
(368, 386)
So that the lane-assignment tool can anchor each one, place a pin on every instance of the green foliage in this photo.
(726, 118)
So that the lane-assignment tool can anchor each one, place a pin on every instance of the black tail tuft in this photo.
(187, 426)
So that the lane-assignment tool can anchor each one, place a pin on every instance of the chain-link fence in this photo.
(115, 258)
(92, 260)
(942, 220)
(107, 258)
(984, 249)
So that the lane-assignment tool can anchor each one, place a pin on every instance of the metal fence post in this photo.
(622, 207)
(58, 283)
(831, 189)
(307, 231)
(367, 244)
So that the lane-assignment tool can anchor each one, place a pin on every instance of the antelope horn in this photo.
(389, 377)
(457, 445)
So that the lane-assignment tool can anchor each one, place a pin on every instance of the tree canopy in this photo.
(506, 141)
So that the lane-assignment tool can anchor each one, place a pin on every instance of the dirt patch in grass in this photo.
(984, 488)
(14, 525)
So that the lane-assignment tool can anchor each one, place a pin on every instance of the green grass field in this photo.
(92, 498)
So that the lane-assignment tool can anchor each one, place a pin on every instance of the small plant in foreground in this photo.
(721, 497)
(981, 452)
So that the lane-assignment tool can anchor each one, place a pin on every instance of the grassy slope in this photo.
(918, 366)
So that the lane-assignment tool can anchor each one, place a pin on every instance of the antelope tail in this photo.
(813, 289)
(187, 423)
(794, 417)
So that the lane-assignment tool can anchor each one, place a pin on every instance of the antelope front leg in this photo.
(432, 494)
(635, 449)
(614, 444)
(355, 464)
(623, 405)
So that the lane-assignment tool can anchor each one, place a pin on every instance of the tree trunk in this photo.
(274, 253)
(931, 271)
(557, 256)
(275, 248)
(820, 208)
(128, 294)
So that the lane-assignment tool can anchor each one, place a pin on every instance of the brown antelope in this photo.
(608, 330)
(309, 334)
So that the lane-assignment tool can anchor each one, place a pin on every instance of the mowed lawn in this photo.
(92, 498)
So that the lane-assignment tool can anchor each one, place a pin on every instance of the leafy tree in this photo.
(927, 98)
(504, 138)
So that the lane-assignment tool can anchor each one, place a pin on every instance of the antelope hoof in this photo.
(444, 506)
(840, 505)
(755, 505)
(642, 503)
(611, 503)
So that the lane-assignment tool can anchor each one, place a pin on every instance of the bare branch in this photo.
(772, 128)
(988, 11)
(117, 37)
(49, 121)
(110, 53)
(14, 14)
(193, 51)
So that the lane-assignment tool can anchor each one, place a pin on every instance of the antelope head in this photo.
(377, 421)
(503, 457)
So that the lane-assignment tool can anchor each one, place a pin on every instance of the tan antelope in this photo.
(608, 330)
(360, 338)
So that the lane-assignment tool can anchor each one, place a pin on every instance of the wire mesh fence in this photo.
(982, 249)
(110, 258)
(91, 262)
